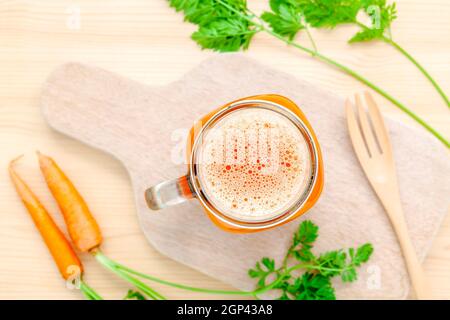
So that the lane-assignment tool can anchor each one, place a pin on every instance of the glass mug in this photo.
(191, 185)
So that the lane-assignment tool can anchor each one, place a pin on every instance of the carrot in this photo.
(63, 254)
(83, 229)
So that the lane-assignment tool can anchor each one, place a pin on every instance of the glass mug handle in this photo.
(169, 193)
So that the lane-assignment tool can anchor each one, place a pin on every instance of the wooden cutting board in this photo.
(144, 127)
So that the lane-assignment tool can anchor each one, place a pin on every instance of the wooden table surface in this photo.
(148, 41)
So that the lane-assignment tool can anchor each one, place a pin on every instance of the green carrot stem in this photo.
(107, 263)
(368, 83)
(283, 272)
(195, 289)
(419, 66)
(391, 42)
(141, 286)
(126, 273)
(316, 54)
(119, 268)
(88, 292)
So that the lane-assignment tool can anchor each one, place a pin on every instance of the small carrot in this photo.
(83, 229)
(65, 257)
(63, 254)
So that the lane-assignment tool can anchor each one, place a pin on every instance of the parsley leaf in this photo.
(338, 262)
(224, 35)
(203, 11)
(306, 234)
(357, 258)
(329, 13)
(285, 18)
(315, 282)
(367, 35)
(134, 295)
(310, 287)
(303, 240)
(381, 15)
(223, 25)
(262, 270)
(332, 262)
(362, 255)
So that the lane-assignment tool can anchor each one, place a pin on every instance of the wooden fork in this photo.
(374, 152)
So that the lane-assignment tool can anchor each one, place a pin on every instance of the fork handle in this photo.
(416, 273)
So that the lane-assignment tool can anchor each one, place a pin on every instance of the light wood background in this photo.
(147, 41)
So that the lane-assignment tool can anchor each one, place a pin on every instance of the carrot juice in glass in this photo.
(254, 164)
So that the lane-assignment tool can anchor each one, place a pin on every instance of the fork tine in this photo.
(365, 126)
(355, 133)
(378, 123)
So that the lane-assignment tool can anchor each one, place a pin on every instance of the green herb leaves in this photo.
(224, 35)
(329, 13)
(381, 16)
(287, 16)
(134, 295)
(303, 240)
(204, 11)
(315, 282)
(232, 18)
(309, 287)
(229, 25)
(286, 19)
(223, 25)
(262, 270)
(343, 263)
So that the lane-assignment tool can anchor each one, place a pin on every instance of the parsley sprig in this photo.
(284, 19)
(332, 13)
(315, 283)
(287, 278)
(134, 295)
(229, 25)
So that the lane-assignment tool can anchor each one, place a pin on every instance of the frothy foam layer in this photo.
(254, 164)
